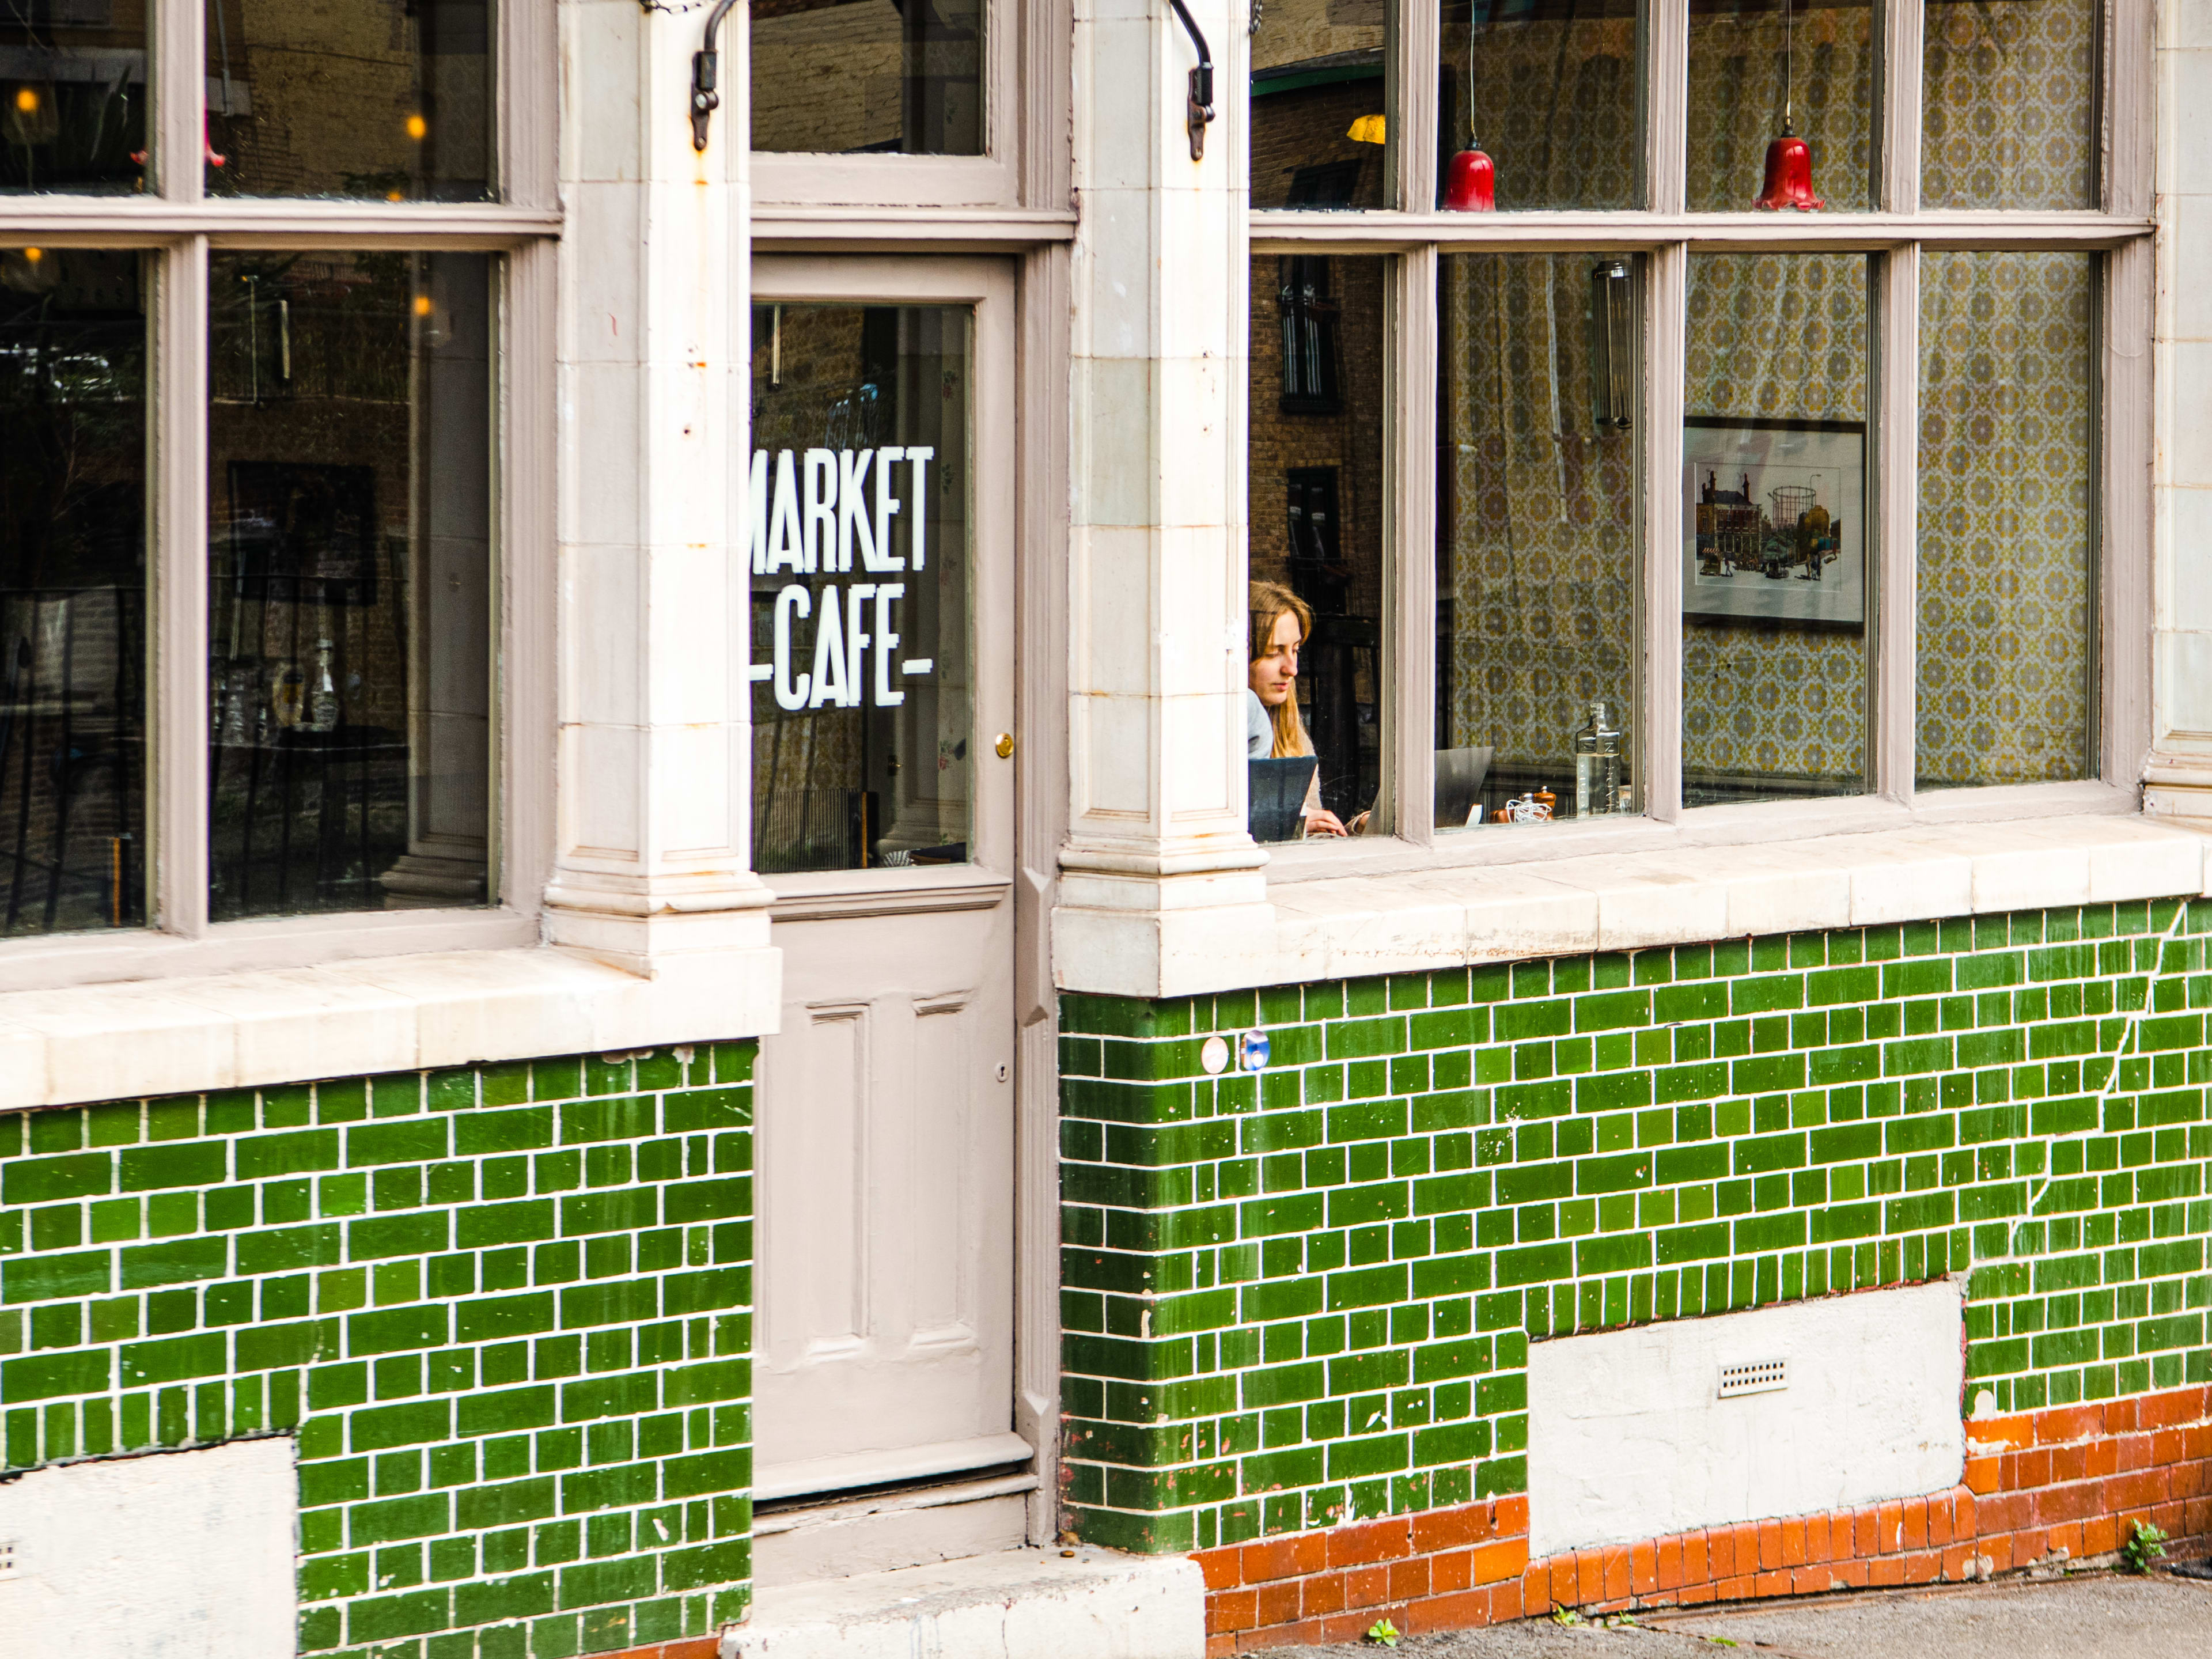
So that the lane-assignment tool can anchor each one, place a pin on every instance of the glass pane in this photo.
(73, 95)
(1319, 91)
(350, 434)
(390, 99)
(72, 590)
(844, 78)
(2010, 114)
(1316, 672)
(1537, 571)
(1552, 104)
(2007, 402)
(864, 695)
(1775, 577)
(1757, 70)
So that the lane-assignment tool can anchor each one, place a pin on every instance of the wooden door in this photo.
(884, 818)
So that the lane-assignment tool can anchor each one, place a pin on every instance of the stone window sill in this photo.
(1411, 921)
(189, 1033)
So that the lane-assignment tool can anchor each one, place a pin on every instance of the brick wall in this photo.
(504, 1310)
(2071, 1481)
(1303, 1298)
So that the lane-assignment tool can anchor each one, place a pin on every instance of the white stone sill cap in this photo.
(1409, 922)
(182, 1035)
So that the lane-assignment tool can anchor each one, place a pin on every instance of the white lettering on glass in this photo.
(887, 642)
(852, 520)
(845, 635)
(757, 510)
(786, 543)
(921, 458)
(794, 598)
(829, 654)
(887, 507)
(821, 469)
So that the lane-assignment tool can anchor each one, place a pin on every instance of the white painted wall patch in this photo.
(186, 1555)
(1635, 1434)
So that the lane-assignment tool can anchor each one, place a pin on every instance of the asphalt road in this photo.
(2093, 1616)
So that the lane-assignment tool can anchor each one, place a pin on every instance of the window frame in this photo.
(804, 179)
(176, 226)
(1661, 236)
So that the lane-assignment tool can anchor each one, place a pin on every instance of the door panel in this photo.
(883, 652)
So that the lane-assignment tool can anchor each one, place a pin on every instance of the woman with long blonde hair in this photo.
(1282, 623)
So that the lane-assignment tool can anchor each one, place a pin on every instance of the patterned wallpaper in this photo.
(1737, 63)
(2004, 534)
(2009, 118)
(1537, 533)
(1776, 336)
(1554, 104)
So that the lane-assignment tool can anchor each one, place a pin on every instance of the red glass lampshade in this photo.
(1471, 184)
(1789, 176)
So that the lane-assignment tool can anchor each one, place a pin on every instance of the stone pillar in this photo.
(1157, 866)
(652, 860)
(2179, 773)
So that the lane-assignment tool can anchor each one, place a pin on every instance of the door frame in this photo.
(1021, 471)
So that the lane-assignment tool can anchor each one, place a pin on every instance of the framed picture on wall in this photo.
(1774, 521)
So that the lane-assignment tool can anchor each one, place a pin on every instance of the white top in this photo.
(1259, 727)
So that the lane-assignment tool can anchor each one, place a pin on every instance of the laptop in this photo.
(1278, 792)
(1460, 774)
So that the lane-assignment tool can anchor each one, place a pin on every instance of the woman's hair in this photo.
(1268, 603)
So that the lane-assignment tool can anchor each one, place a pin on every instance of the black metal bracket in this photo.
(706, 98)
(1201, 111)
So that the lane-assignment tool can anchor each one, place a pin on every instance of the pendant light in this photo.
(1789, 158)
(1471, 179)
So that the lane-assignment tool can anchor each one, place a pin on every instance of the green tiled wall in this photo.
(1308, 1294)
(504, 1309)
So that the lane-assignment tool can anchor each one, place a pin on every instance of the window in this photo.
(1718, 491)
(249, 562)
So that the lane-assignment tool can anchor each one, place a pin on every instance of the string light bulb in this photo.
(417, 128)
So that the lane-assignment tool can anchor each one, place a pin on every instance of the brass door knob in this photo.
(1005, 745)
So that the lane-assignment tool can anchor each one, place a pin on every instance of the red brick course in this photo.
(2074, 1477)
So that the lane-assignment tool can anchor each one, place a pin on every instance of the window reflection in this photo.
(1760, 67)
(1537, 571)
(1319, 91)
(1315, 657)
(349, 430)
(2009, 119)
(389, 99)
(72, 94)
(2007, 569)
(863, 699)
(1548, 90)
(898, 77)
(72, 590)
(1776, 581)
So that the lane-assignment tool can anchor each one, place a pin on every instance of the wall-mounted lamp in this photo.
(706, 95)
(1613, 345)
(1201, 109)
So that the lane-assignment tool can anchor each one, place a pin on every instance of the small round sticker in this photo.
(1254, 1055)
(1214, 1056)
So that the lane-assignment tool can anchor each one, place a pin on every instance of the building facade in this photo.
(654, 969)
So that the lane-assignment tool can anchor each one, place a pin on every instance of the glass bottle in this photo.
(322, 706)
(1597, 765)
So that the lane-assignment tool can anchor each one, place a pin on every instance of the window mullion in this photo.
(1896, 519)
(1898, 189)
(1666, 296)
(179, 79)
(1666, 103)
(1410, 546)
(179, 673)
(1416, 45)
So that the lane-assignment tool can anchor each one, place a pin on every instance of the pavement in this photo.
(2090, 1615)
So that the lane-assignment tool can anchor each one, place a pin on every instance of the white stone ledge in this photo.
(1407, 922)
(182, 1035)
